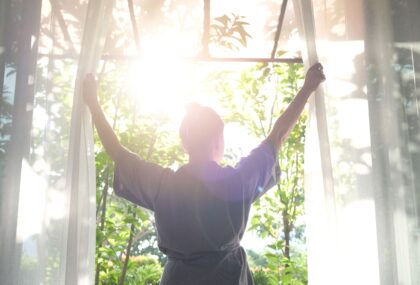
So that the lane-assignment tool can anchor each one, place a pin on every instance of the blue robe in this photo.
(201, 211)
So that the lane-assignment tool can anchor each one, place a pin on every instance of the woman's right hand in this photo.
(89, 90)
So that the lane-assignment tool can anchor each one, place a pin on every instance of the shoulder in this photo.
(207, 172)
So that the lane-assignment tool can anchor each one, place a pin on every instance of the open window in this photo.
(362, 152)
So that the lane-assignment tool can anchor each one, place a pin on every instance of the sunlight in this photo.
(31, 203)
(39, 204)
(161, 87)
(161, 82)
(359, 216)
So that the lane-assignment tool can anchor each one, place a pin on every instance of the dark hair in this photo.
(199, 127)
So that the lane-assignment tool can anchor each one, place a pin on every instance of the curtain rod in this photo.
(187, 59)
(215, 59)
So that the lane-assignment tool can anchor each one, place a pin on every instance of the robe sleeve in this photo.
(259, 171)
(137, 180)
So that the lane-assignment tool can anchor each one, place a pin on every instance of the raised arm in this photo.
(285, 123)
(106, 134)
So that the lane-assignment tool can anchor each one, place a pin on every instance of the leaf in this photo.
(223, 19)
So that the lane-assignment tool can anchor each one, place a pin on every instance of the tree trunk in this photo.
(127, 255)
(286, 231)
(102, 222)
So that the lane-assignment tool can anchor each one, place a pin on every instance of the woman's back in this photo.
(201, 212)
(199, 227)
(194, 213)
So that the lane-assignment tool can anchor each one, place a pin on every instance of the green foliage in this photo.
(261, 277)
(256, 260)
(229, 31)
(144, 270)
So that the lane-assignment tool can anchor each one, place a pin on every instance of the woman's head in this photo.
(201, 133)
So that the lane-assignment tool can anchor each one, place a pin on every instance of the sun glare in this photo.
(160, 80)
(160, 86)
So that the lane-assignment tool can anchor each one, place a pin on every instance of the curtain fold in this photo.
(47, 170)
(363, 229)
(18, 63)
(320, 197)
(81, 176)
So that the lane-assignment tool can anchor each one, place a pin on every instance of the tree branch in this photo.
(56, 9)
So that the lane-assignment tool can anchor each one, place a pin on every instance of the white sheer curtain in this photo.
(48, 196)
(362, 213)
(80, 259)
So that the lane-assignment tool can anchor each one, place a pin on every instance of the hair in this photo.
(199, 128)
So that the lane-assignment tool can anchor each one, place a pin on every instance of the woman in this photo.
(201, 210)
